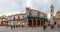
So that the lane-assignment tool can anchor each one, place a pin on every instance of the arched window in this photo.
(11, 18)
(45, 18)
(23, 17)
(18, 17)
(14, 18)
(38, 16)
(30, 15)
(51, 10)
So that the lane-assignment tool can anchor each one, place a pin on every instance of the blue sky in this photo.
(9, 7)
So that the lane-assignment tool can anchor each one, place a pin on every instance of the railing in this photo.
(45, 18)
(31, 16)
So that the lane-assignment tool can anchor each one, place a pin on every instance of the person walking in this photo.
(58, 26)
(52, 26)
(44, 27)
(11, 26)
(14, 26)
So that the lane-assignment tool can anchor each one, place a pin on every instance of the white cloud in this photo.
(28, 4)
(8, 7)
(46, 1)
(48, 15)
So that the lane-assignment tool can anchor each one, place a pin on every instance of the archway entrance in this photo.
(54, 23)
(34, 23)
(4, 23)
(38, 22)
(30, 22)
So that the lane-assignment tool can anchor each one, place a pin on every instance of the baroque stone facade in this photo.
(52, 14)
(31, 18)
(57, 17)
(35, 17)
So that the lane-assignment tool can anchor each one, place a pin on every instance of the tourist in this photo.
(52, 26)
(44, 27)
(14, 26)
(58, 26)
(11, 26)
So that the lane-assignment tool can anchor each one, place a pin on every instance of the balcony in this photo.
(30, 15)
(45, 18)
(38, 16)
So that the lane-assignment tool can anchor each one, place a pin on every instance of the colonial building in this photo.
(35, 18)
(3, 20)
(54, 20)
(17, 19)
(57, 18)
(31, 18)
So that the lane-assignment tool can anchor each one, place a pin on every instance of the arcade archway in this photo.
(35, 23)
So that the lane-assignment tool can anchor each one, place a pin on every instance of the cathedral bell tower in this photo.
(51, 14)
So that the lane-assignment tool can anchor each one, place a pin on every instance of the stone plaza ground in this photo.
(29, 29)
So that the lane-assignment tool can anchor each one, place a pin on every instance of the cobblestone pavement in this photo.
(29, 29)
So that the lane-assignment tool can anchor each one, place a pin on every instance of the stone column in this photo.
(51, 21)
(26, 23)
(36, 22)
(43, 22)
(32, 22)
(40, 22)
